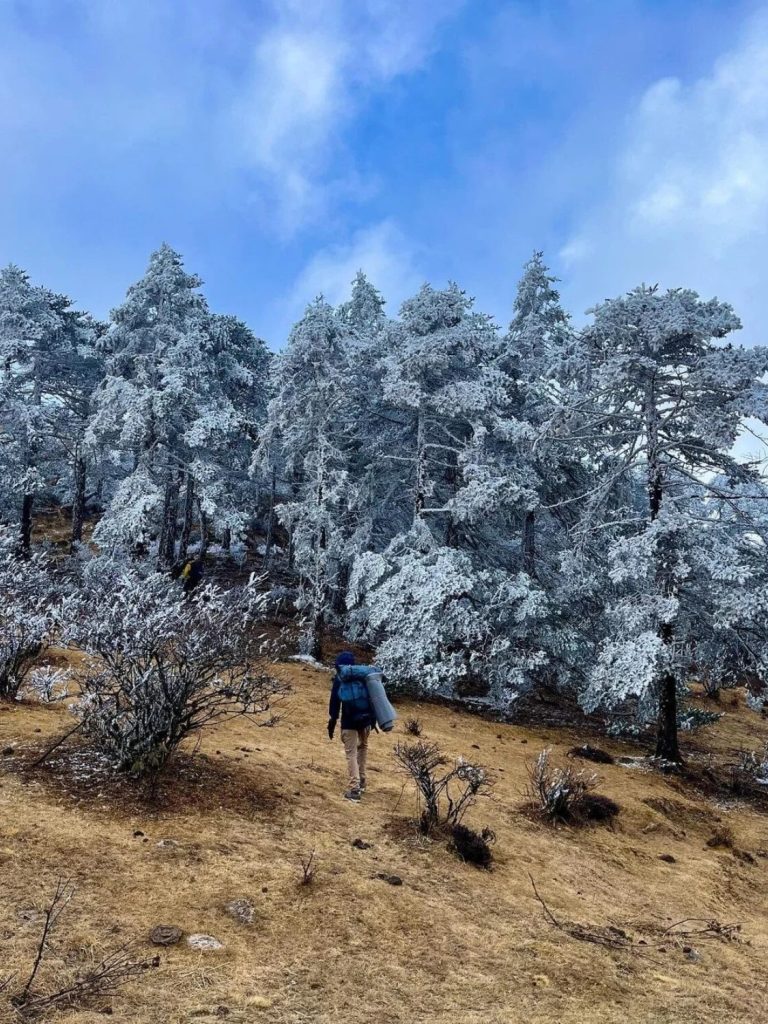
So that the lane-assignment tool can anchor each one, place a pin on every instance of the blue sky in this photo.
(281, 145)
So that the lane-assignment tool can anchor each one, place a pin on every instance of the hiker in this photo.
(357, 718)
(192, 573)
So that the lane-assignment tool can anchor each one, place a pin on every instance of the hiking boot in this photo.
(352, 794)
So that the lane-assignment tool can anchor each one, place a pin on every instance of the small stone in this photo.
(264, 889)
(205, 943)
(691, 953)
(8, 751)
(165, 935)
(390, 879)
(137, 833)
(360, 844)
(475, 746)
(242, 911)
(667, 858)
(167, 844)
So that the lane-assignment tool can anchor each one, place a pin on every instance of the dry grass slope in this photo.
(451, 944)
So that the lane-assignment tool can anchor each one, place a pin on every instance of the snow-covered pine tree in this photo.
(155, 385)
(224, 430)
(306, 441)
(438, 600)
(48, 369)
(666, 400)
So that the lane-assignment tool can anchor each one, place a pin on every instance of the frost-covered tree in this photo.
(225, 430)
(306, 438)
(48, 369)
(665, 399)
(153, 391)
(447, 612)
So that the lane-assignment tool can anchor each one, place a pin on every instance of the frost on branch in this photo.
(27, 615)
(160, 667)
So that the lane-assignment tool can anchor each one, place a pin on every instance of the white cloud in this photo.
(313, 67)
(382, 251)
(686, 201)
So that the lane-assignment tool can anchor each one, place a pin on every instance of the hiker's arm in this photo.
(334, 705)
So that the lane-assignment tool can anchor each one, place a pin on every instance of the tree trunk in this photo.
(78, 502)
(529, 543)
(203, 532)
(271, 520)
(421, 468)
(667, 746)
(189, 511)
(167, 544)
(315, 638)
(226, 539)
(25, 527)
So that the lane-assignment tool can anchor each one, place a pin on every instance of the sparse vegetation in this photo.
(472, 846)
(83, 987)
(413, 727)
(160, 667)
(565, 794)
(308, 869)
(447, 795)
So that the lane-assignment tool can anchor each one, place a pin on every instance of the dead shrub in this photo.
(564, 794)
(446, 796)
(722, 838)
(97, 982)
(588, 753)
(413, 727)
(598, 807)
(308, 869)
(472, 846)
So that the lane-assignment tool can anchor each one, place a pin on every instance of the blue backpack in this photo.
(354, 696)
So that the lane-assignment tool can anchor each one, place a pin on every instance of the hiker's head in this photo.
(345, 658)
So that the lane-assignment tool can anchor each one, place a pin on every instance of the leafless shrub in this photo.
(101, 980)
(308, 868)
(472, 846)
(413, 727)
(447, 795)
(161, 666)
(750, 773)
(564, 794)
(722, 838)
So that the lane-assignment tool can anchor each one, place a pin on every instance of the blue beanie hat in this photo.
(345, 658)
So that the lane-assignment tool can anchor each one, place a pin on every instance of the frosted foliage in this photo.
(27, 615)
(161, 667)
(491, 511)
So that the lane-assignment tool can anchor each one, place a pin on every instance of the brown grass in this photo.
(450, 944)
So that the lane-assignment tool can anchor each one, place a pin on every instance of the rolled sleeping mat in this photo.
(383, 711)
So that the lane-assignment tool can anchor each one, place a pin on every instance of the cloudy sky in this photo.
(282, 144)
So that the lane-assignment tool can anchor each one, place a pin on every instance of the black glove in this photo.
(331, 728)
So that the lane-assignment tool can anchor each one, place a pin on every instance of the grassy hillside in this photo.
(452, 943)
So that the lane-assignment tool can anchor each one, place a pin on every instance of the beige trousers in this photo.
(356, 748)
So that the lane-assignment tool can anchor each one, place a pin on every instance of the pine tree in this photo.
(306, 441)
(666, 401)
(155, 385)
(48, 369)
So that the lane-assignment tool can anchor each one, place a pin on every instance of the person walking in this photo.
(350, 698)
